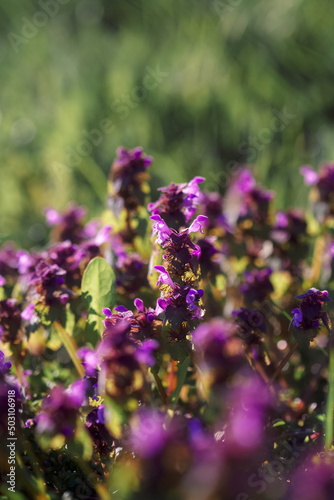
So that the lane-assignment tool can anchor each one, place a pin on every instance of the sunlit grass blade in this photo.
(330, 400)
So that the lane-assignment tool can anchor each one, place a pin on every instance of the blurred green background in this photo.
(224, 71)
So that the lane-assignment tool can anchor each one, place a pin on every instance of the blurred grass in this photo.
(229, 65)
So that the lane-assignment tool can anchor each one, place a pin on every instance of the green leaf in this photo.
(179, 350)
(70, 319)
(181, 377)
(330, 401)
(98, 292)
(114, 417)
(278, 423)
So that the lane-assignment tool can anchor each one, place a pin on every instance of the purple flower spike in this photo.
(310, 176)
(309, 313)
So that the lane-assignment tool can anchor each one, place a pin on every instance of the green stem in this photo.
(284, 362)
(161, 388)
(282, 310)
(70, 347)
(181, 377)
(330, 399)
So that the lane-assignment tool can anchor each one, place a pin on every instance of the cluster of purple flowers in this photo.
(192, 387)
(309, 314)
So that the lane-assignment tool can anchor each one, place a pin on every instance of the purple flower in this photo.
(211, 205)
(249, 403)
(8, 260)
(181, 253)
(290, 226)
(122, 313)
(148, 435)
(249, 321)
(100, 415)
(102, 236)
(324, 189)
(314, 479)
(310, 176)
(2, 280)
(192, 297)
(28, 313)
(149, 312)
(127, 176)
(53, 218)
(257, 285)
(297, 317)
(178, 202)
(48, 280)
(10, 321)
(131, 274)
(197, 225)
(161, 229)
(144, 353)
(164, 233)
(90, 361)
(59, 409)
(121, 375)
(282, 220)
(180, 302)
(26, 262)
(217, 349)
(95, 423)
(310, 312)
(164, 277)
(69, 225)
(246, 201)
(4, 366)
(29, 423)
(245, 182)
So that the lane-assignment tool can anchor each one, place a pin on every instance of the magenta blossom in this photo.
(310, 176)
(163, 232)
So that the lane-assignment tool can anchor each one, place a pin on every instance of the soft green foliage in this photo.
(228, 64)
(98, 292)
